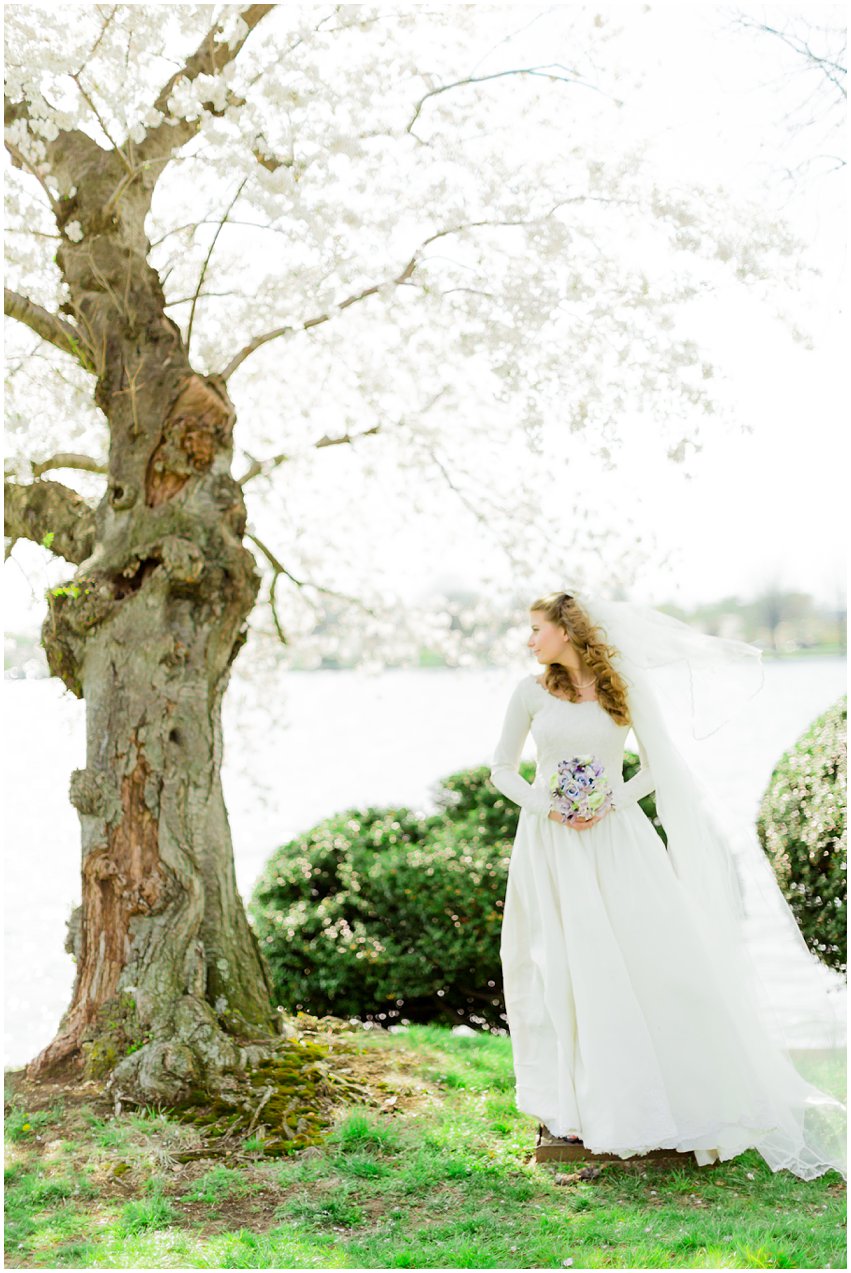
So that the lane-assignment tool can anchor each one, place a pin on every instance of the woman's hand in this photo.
(580, 824)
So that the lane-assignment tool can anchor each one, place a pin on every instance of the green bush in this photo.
(801, 826)
(383, 914)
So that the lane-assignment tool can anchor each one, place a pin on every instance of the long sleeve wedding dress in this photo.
(618, 1010)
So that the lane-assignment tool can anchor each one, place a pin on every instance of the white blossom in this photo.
(46, 128)
(510, 346)
(233, 29)
(189, 96)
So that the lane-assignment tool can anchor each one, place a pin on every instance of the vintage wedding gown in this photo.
(616, 1004)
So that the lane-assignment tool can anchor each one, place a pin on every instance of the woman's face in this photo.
(548, 641)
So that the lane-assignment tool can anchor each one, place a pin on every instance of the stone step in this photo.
(578, 1153)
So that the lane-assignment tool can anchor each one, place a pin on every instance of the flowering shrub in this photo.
(390, 915)
(801, 826)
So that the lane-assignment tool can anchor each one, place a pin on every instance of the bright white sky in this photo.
(760, 508)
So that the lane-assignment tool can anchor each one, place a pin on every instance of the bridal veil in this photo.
(683, 687)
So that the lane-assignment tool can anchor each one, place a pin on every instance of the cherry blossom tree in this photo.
(247, 239)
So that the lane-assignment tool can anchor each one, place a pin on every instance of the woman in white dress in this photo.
(626, 986)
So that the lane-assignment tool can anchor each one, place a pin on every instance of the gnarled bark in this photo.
(146, 632)
(48, 511)
(148, 639)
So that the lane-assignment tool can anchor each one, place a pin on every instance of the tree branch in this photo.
(278, 569)
(548, 72)
(828, 67)
(209, 58)
(256, 343)
(256, 467)
(51, 515)
(49, 326)
(346, 437)
(193, 225)
(67, 460)
(185, 300)
(203, 273)
(93, 50)
(403, 277)
(90, 102)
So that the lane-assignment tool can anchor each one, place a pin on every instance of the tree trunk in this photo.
(146, 633)
(171, 991)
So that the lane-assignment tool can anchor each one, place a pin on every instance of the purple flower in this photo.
(575, 782)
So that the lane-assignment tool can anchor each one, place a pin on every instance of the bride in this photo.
(637, 1016)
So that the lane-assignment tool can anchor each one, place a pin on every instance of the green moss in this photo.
(115, 1033)
(297, 1112)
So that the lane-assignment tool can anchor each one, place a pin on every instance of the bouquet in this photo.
(580, 788)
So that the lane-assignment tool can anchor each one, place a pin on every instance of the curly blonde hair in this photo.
(565, 612)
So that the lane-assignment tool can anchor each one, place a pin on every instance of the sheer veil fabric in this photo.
(683, 685)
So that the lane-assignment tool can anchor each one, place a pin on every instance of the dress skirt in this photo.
(618, 1018)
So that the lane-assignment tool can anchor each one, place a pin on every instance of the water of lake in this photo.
(331, 740)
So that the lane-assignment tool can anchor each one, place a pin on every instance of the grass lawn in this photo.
(433, 1171)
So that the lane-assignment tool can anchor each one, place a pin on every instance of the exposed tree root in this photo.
(284, 1101)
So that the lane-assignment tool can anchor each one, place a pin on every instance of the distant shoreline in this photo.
(16, 672)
